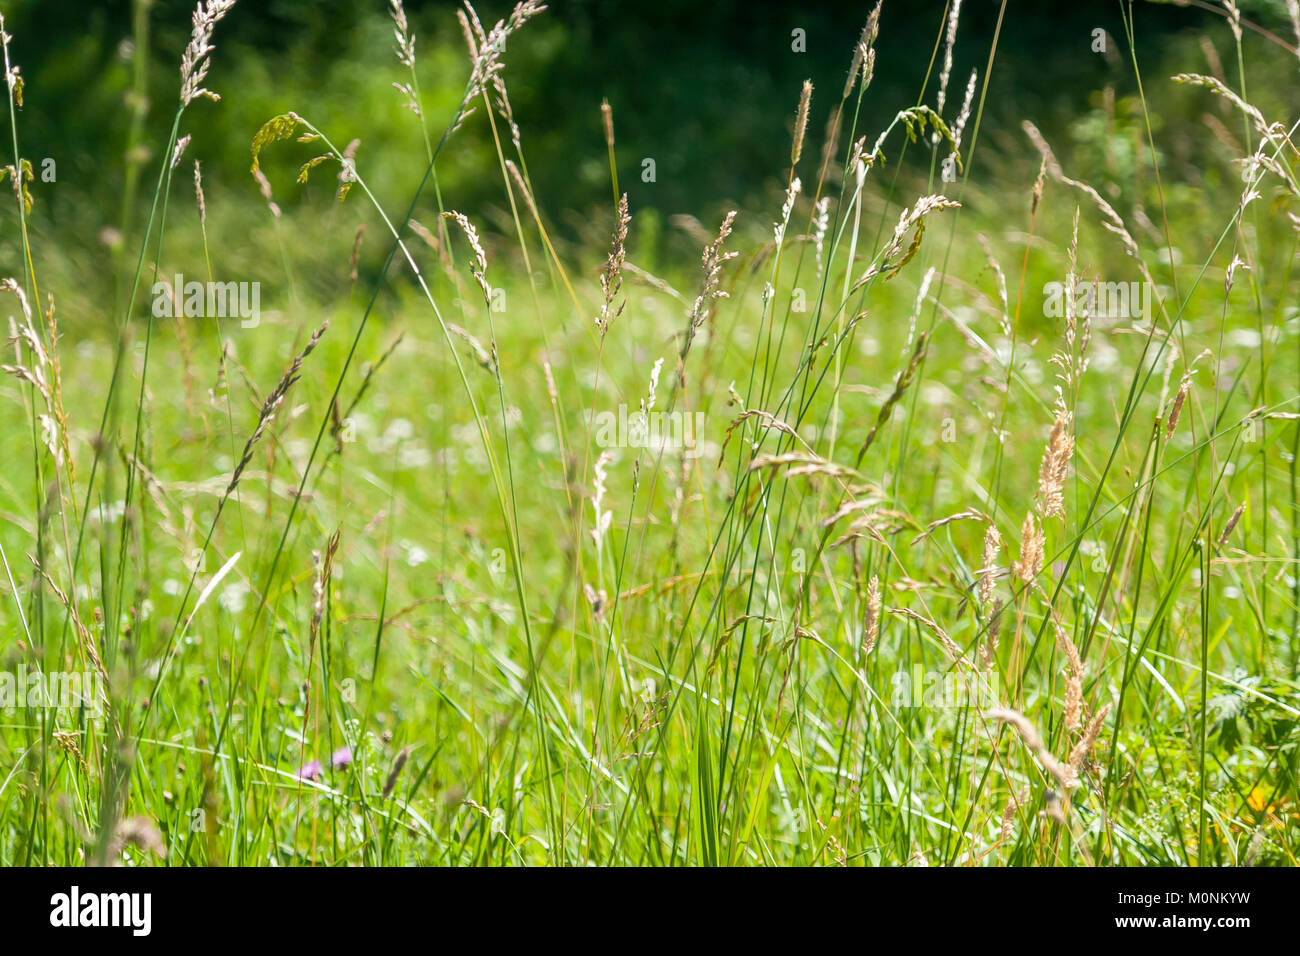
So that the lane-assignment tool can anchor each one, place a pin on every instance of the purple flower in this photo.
(310, 771)
(341, 758)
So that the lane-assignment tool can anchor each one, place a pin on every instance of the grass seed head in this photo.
(195, 60)
(1031, 550)
(801, 122)
(871, 626)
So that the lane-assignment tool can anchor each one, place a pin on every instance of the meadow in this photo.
(938, 508)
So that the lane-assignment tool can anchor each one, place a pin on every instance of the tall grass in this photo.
(947, 575)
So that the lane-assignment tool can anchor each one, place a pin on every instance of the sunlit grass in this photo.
(947, 575)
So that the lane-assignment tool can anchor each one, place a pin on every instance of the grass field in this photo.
(944, 513)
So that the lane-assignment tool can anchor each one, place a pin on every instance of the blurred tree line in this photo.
(707, 90)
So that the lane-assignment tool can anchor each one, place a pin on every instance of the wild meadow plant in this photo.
(869, 547)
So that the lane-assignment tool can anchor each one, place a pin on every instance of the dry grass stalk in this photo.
(203, 204)
(401, 30)
(354, 262)
(864, 54)
(35, 372)
(195, 61)
(425, 233)
(506, 112)
(611, 279)
(871, 625)
(86, 640)
(1054, 467)
(821, 222)
(83, 633)
(786, 208)
(264, 185)
(1228, 528)
(1074, 679)
(864, 500)
(766, 421)
(875, 525)
(950, 39)
(523, 188)
(1083, 749)
(966, 515)
(1072, 358)
(803, 464)
(479, 269)
(992, 631)
(550, 382)
(1230, 274)
(218, 389)
(1113, 222)
(371, 371)
(1176, 409)
(713, 259)
(1014, 802)
(1037, 195)
(139, 832)
(468, 32)
(1061, 773)
(393, 774)
(895, 254)
(410, 100)
(13, 75)
(887, 409)
(1031, 550)
(988, 566)
(597, 600)
(693, 228)
(1004, 320)
(830, 145)
(42, 372)
(801, 122)
(949, 645)
(347, 170)
(68, 743)
(607, 122)
(1056, 809)
(320, 587)
(602, 519)
(1218, 87)
(487, 46)
(989, 611)
(482, 356)
(963, 116)
(272, 405)
(179, 150)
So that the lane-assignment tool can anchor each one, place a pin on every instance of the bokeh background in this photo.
(706, 90)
